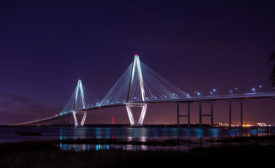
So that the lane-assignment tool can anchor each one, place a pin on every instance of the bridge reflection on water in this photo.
(141, 138)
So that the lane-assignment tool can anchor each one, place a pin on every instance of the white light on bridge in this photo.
(260, 86)
(253, 90)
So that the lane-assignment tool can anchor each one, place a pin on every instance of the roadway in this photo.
(245, 96)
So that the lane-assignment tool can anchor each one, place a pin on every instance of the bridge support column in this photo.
(75, 120)
(200, 114)
(241, 113)
(142, 114)
(188, 108)
(83, 119)
(212, 114)
(82, 122)
(230, 111)
(179, 115)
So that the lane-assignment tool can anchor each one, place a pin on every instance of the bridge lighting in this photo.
(198, 94)
(212, 92)
(78, 104)
(253, 90)
(260, 86)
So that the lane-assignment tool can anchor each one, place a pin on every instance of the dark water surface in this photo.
(128, 134)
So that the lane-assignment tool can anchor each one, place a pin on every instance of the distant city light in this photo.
(262, 124)
(247, 125)
(113, 120)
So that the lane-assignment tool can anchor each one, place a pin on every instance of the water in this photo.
(127, 134)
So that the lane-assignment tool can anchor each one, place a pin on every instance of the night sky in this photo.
(45, 46)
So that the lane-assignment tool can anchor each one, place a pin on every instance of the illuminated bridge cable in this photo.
(140, 84)
(80, 99)
(156, 88)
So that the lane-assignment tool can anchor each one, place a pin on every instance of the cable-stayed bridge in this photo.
(137, 87)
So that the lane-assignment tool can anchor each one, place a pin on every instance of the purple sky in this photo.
(197, 45)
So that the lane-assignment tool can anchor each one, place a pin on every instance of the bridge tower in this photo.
(136, 72)
(79, 104)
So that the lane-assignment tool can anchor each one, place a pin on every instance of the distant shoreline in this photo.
(144, 126)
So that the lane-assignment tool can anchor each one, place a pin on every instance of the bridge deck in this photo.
(246, 96)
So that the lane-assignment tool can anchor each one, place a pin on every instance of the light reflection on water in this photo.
(128, 147)
(128, 134)
(197, 135)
